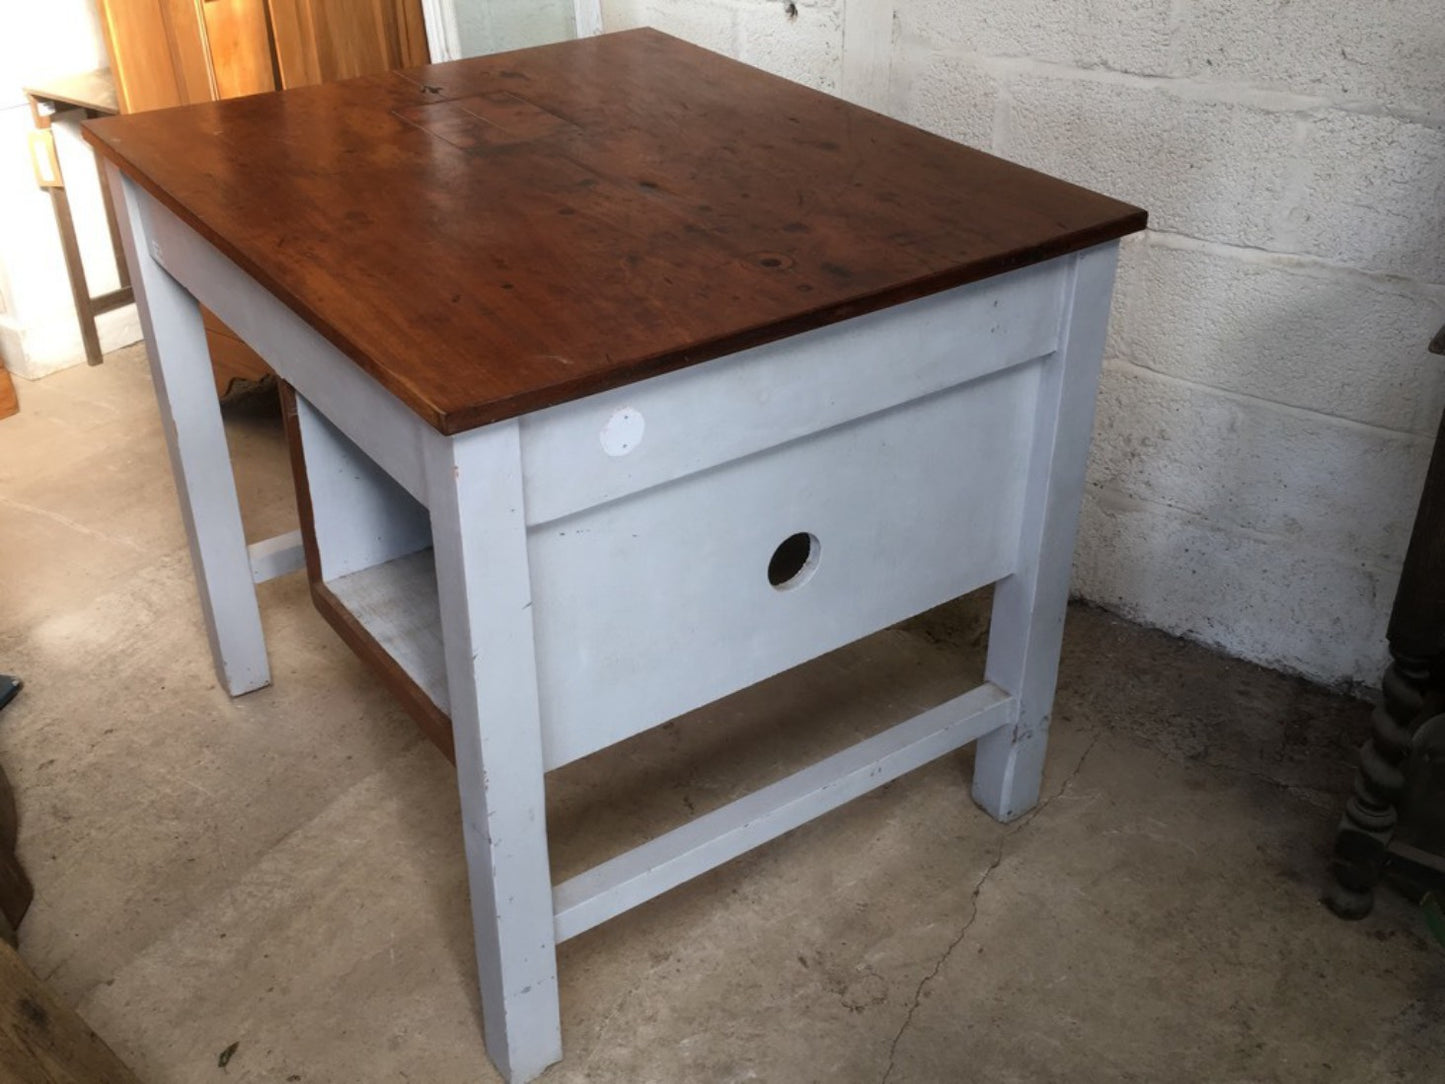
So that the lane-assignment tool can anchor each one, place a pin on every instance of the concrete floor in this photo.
(284, 871)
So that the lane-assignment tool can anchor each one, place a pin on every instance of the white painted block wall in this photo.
(1268, 402)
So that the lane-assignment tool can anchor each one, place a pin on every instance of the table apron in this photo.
(657, 603)
(619, 442)
(374, 419)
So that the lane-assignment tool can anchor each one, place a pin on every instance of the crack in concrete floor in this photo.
(313, 903)
(1008, 833)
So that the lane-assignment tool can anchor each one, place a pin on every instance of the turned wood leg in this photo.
(1417, 646)
(1370, 814)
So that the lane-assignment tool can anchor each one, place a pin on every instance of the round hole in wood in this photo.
(793, 561)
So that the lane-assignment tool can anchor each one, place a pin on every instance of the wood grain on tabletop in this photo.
(496, 235)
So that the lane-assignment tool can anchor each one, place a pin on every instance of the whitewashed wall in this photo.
(38, 329)
(1267, 401)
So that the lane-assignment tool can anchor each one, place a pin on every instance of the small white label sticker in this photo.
(623, 432)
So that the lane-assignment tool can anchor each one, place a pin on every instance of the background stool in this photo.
(1413, 697)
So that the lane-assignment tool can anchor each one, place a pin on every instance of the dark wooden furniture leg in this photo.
(1417, 671)
(15, 890)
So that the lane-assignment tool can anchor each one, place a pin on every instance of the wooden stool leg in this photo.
(1028, 607)
(1370, 814)
(1417, 646)
(479, 535)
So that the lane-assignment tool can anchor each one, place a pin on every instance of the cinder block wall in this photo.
(1268, 402)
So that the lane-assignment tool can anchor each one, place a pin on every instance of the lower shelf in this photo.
(390, 615)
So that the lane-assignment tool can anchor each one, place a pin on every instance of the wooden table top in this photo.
(492, 236)
(93, 90)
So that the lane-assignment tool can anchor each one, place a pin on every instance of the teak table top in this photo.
(492, 236)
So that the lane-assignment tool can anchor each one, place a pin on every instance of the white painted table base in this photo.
(529, 575)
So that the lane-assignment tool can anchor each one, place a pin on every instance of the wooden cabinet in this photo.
(238, 43)
(321, 40)
(174, 52)
(156, 53)
(178, 52)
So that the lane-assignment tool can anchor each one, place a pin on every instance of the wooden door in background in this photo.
(177, 52)
(318, 41)
(237, 40)
(155, 53)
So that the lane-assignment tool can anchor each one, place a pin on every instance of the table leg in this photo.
(75, 269)
(1028, 607)
(200, 459)
(117, 246)
(474, 485)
